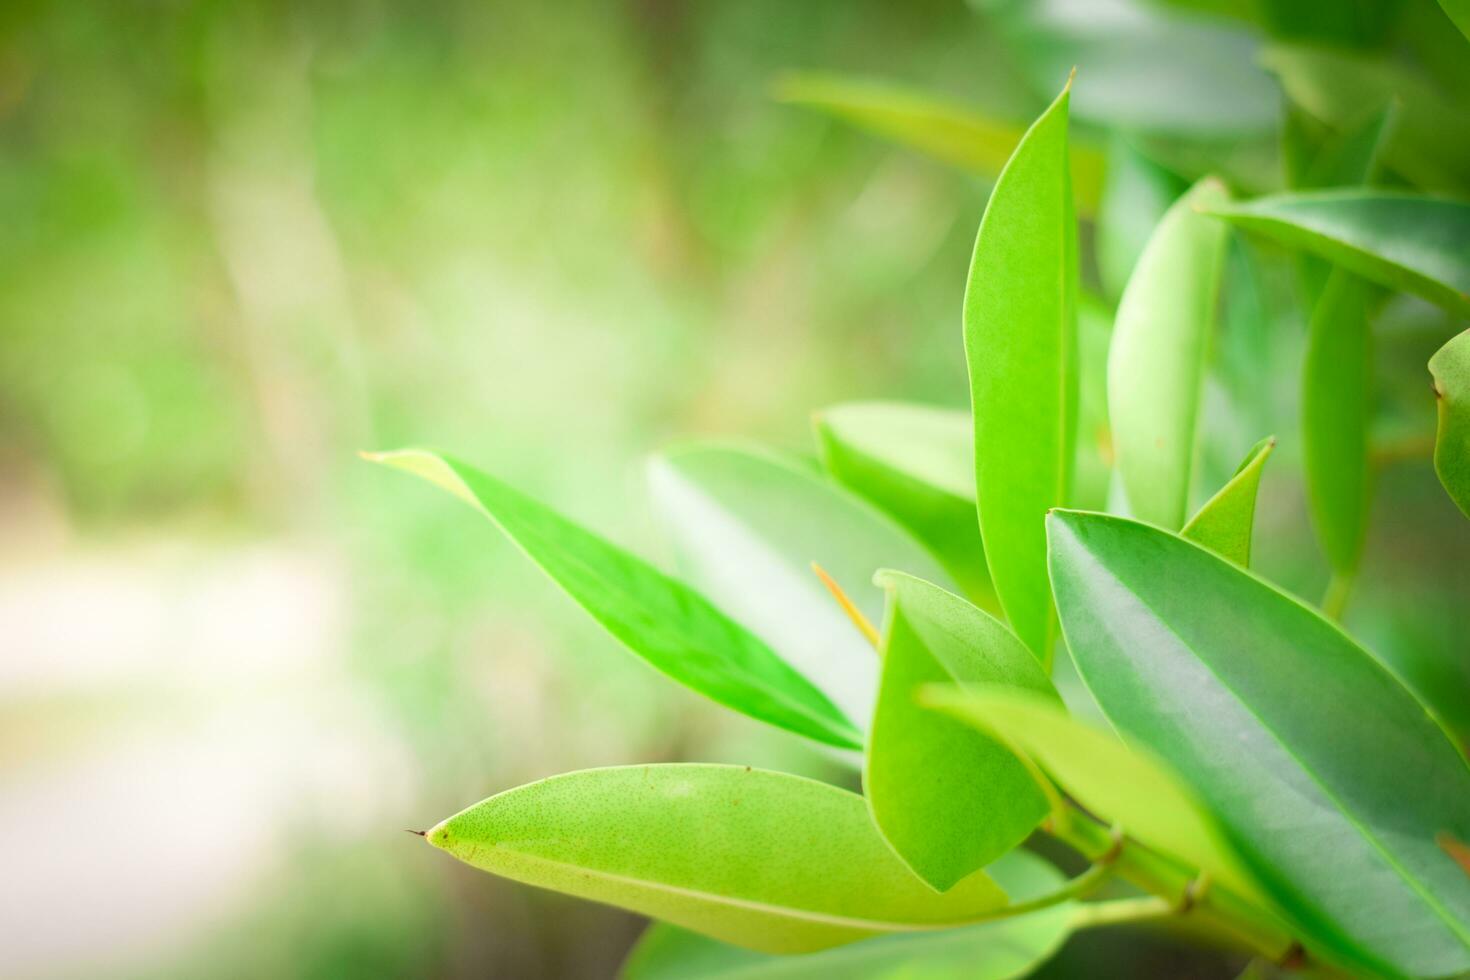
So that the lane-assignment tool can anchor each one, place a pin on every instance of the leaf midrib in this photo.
(1460, 931)
(833, 727)
(752, 905)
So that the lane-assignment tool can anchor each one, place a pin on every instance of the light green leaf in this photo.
(1020, 318)
(1459, 12)
(1416, 244)
(959, 135)
(1430, 142)
(1127, 787)
(1136, 194)
(1331, 779)
(948, 798)
(1450, 367)
(1156, 367)
(747, 524)
(1000, 950)
(672, 627)
(915, 463)
(1224, 523)
(1337, 410)
(761, 859)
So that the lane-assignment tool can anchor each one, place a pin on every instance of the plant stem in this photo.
(1077, 888)
(1336, 597)
(1168, 882)
(1121, 910)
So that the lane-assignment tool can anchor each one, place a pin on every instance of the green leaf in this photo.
(1330, 777)
(1127, 787)
(1450, 367)
(1337, 381)
(947, 798)
(1136, 194)
(746, 526)
(1156, 367)
(1403, 241)
(1337, 369)
(1316, 156)
(1430, 142)
(773, 862)
(1000, 950)
(1459, 12)
(1020, 317)
(915, 463)
(1224, 523)
(672, 627)
(959, 135)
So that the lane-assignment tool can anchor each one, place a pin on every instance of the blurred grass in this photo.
(239, 242)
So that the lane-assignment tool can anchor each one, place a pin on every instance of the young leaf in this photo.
(1450, 367)
(959, 135)
(947, 798)
(746, 526)
(1224, 523)
(915, 463)
(1020, 317)
(1330, 777)
(1156, 367)
(1416, 244)
(1000, 950)
(761, 859)
(672, 627)
(1337, 376)
(1126, 787)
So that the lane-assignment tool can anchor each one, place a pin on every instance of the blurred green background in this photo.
(240, 242)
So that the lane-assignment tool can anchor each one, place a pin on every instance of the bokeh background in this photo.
(240, 242)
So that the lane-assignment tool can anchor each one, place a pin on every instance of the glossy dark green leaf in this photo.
(1136, 193)
(761, 859)
(746, 525)
(1224, 523)
(999, 950)
(1127, 787)
(959, 135)
(1430, 142)
(1416, 244)
(672, 627)
(916, 463)
(946, 797)
(1450, 368)
(1156, 366)
(1330, 777)
(1020, 318)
